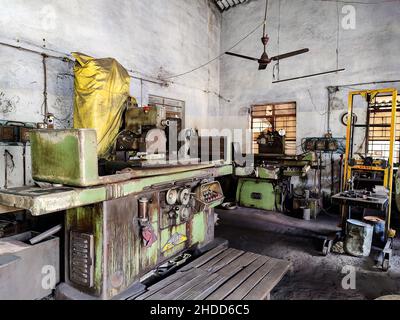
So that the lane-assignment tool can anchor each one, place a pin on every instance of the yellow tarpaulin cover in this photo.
(101, 88)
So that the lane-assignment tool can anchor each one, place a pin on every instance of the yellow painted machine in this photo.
(368, 181)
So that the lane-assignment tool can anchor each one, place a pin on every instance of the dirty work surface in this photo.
(221, 274)
(313, 276)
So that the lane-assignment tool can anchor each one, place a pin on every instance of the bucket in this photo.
(379, 228)
(306, 214)
(358, 238)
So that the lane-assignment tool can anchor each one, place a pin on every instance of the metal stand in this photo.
(348, 197)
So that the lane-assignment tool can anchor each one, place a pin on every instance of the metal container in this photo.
(26, 271)
(379, 229)
(307, 214)
(66, 157)
(358, 238)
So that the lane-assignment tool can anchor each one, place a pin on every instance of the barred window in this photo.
(175, 109)
(378, 130)
(276, 116)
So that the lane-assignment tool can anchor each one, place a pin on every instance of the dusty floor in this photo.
(313, 276)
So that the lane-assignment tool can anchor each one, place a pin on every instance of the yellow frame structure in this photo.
(388, 178)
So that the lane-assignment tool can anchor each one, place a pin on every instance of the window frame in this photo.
(274, 117)
(169, 106)
(377, 147)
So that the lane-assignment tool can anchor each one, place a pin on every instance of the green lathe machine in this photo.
(121, 226)
(267, 186)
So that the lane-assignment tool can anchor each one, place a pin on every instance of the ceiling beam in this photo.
(224, 5)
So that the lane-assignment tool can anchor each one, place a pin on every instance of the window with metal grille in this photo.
(277, 116)
(175, 109)
(378, 130)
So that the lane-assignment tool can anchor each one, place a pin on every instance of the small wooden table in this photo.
(221, 274)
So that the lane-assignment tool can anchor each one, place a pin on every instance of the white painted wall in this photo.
(160, 38)
(369, 53)
(153, 38)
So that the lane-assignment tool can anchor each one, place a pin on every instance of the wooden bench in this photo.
(221, 274)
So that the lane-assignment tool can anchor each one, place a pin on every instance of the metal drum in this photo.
(358, 238)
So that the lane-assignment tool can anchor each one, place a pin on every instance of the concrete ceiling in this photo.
(224, 5)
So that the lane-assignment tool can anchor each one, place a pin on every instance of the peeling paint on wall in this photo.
(163, 38)
(8, 105)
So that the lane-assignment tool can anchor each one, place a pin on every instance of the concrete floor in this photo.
(313, 276)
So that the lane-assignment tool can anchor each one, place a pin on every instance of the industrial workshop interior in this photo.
(202, 150)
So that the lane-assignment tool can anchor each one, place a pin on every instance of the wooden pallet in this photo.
(221, 274)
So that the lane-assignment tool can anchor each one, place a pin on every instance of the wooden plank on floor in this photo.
(210, 289)
(171, 287)
(233, 255)
(198, 262)
(262, 289)
(238, 264)
(240, 292)
(233, 283)
(180, 292)
(203, 288)
(159, 285)
(217, 259)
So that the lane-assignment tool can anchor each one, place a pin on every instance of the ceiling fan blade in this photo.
(290, 54)
(241, 56)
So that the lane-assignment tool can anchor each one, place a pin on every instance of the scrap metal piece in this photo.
(45, 234)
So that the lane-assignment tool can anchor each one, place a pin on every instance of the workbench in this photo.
(374, 202)
(221, 274)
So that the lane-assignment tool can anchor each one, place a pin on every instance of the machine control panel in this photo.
(179, 204)
(211, 196)
(210, 193)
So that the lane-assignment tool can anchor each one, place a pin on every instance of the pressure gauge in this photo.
(184, 197)
(171, 196)
(282, 132)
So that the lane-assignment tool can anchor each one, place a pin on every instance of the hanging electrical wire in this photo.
(217, 57)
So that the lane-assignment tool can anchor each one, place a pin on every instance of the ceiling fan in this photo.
(265, 60)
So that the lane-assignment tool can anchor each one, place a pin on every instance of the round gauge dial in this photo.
(171, 196)
(184, 197)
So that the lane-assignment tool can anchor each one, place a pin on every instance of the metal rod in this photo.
(265, 19)
(332, 174)
(24, 162)
(5, 168)
(67, 59)
(309, 76)
(35, 51)
(366, 83)
(44, 56)
(45, 234)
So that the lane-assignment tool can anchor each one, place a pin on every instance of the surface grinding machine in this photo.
(118, 227)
